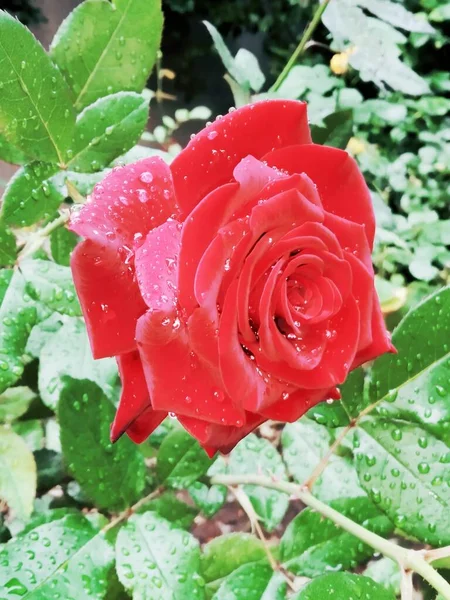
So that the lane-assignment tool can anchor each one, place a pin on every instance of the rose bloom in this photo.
(235, 285)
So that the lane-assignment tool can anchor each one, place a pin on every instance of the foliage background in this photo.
(380, 456)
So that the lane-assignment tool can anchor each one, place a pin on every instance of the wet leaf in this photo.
(7, 247)
(342, 586)
(30, 195)
(36, 112)
(85, 414)
(14, 402)
(17, 474)
(252, 582)
(157, 561)
(104, 47)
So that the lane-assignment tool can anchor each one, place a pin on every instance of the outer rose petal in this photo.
(127, 204)
(340, 183)
(135, 399)
(209, 159)
(178, 381)
(218, 438)
(144, 425)
(109, 297)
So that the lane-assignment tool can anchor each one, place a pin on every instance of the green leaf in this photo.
(244, 67)
(385, 572)
(5, 279)
(353, 393)
(10, 153)
(85, 415)
(257, 455)
(68, 352)
(440, 13)
(62, 243)
(61, 559)
(252, 582)
(31, 431)
(180, 514)
(336, 131)
(17, 317)
(36, 112)
(413, 384)
(342, 586)
(107, 129)
(304, 444)
(7, 247)
(209, 499)
(156, 561)
(226, 553)
(52, 285)
(41, 333)
(17, 474)
(181, 460)
(312, 545)
(331, 415)
(396, 15)
(403, 469)
(50, 469)
(104, 47)
(47, 516)
(14, 402)
(30, 195)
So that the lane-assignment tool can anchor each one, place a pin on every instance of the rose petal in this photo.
(294, 405)
(178, 380)
(219, 438)
(209, 159)
(109, 297)
(134, 399)
(144, 425)
(381, 338)
(340, 183)
(127, 204)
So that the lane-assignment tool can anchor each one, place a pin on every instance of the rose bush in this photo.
(235, 285)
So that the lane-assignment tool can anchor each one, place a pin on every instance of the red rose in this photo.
(235, 285)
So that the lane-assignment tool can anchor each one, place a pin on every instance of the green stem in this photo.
(301, 45)
(35, 241)
(407, 559)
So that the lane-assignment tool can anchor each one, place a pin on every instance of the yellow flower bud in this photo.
(339, 63)
(356, 146)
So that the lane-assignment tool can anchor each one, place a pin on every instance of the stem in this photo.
(36, 240)
(407, 588)
(301, 45)
(407, 559)
(126, 514)
(320, 467)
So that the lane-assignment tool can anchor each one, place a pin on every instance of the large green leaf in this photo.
(30, 195)
(52, 285)
(18, 314)
(66, 559)
(36, 113)
(17, 474)
(62, 243)
(252, 582)
(304, 444)
(226, 553)
(113, 476)
(68, 352)
(312, 545)
(107, 129)
(181, 460)
(156, 561)
(105, 47)
(7, 247)
(14, 402)
(404, 470)
(10, 153)
(257, 455)
(343, 586)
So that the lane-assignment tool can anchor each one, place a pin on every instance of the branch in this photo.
(131, 510)
(409, 560)
(36, 240)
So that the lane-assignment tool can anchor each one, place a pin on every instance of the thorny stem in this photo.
(409, 560)
(131, 510)
(320, 467)
(406, 586)
(35, 241)
(301, 45)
